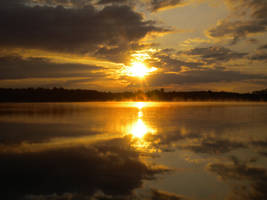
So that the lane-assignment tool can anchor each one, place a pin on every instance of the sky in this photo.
(104, 45)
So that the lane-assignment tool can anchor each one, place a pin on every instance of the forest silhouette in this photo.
(81, 95)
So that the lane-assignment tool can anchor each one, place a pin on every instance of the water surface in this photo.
(133, 150)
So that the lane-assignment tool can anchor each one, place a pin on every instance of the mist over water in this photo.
(128, 150)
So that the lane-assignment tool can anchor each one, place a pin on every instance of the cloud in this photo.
(243, 171)
(66, 196)
(112, 167)
(197, 141)
(83, 30)
(214, 146)
(263, 46)
(165, 4)
(153, 194)
(65, 3)
(13, 134)
(168, 63)
(237, 30)
(111, 1)
(205, 75)
(197, 135)
(197, 65)
(253, 20)
(259, 143)
(193, 59)
(215, 54)
(259, 56)
(16, 67)
(260, 146)
(162, 195)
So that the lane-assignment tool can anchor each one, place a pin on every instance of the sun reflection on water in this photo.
(139, 129)
(140, 105)
(140, 114)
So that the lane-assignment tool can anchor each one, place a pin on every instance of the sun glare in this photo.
(139, 129)
(138, 69)
(139, 105)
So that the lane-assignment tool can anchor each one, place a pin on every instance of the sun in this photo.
(138, 67)
(140, 70)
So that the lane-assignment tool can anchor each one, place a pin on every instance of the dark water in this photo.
(154, 151)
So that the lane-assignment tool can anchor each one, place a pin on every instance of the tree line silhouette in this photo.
(80, 95)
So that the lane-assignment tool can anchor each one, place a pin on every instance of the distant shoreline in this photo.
(31, 95)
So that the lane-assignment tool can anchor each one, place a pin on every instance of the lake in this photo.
(133, 150)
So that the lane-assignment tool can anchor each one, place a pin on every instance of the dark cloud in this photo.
(65, 3)
(252, 40)
(171, 139)
(242, 171)
(215, 146)
(263, 46)
(163, 4)
(15, 67)
(15, 3)
(168, 63)
(112, 167)
(238, 29)
(203, 75)
(259, 143)
(25, 132)
(167, 60)
(263, 153)
(111, 1)
(260, 56)
(205, 144)
(74, 30)
(162, 195)
(260, 146)
(66, 196)
(207, 136)
(21, 132)
(215, 54)
(117, 53)
(154, 194)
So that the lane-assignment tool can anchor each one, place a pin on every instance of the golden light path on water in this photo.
(139, 129)
(140, 105)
